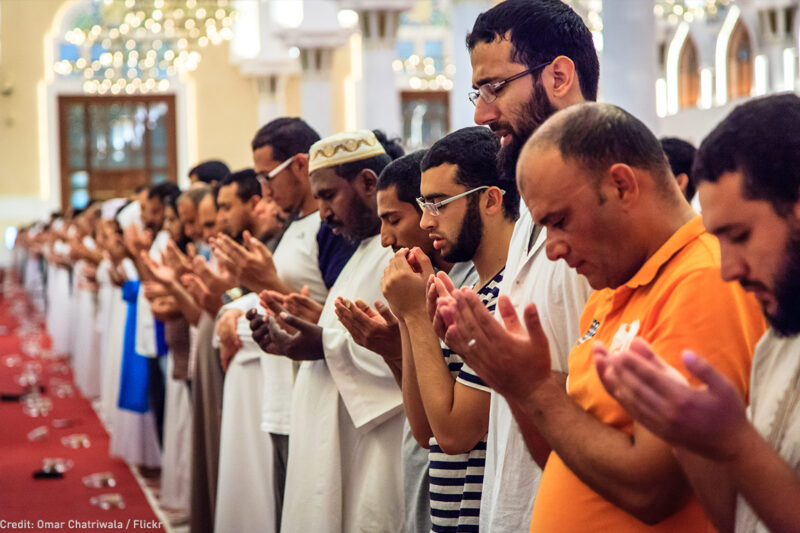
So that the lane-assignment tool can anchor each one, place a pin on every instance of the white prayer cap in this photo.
(110, 208)
(130, 214)
(343, 148)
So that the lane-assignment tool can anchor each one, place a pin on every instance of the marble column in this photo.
(317, 37)
(628, 63)
(377, 95)
(462, 17)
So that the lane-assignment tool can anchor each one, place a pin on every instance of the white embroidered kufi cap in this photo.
(343, 148)
(110, 208)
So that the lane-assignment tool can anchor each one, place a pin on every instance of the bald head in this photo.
(597, 136)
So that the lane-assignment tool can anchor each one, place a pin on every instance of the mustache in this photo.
(495, 126)
(752, 286)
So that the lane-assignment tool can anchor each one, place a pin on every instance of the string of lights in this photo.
(137, 45)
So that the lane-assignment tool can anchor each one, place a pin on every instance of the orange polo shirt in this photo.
(676, 301)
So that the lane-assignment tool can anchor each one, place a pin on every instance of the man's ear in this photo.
(299, 165)
(252, 202)
(560, 80)
(683, 181)
(494, 201)
(623, 182)
(367, 180)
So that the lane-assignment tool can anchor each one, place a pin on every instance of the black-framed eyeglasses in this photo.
(488, 91)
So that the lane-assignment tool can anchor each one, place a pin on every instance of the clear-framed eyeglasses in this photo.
(489, 91)
(433, 207)
(263, 179)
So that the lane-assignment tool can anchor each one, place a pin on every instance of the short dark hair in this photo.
(760, 139)
(600, 135)
(210, 171)
(287, 136)
(167, 192)
(246, 182)
(680, 155)
(392, 146)
(196, 194)
(474, 152)
(540, 31)
(404, 175)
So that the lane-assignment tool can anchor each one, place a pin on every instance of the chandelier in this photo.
(675, 11)
(137, 45)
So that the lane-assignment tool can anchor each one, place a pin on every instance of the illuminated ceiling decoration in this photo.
(591, 11)
(676, 11)
(135, 46)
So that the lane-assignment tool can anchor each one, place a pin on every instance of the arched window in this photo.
(688, 75)
(740, 63)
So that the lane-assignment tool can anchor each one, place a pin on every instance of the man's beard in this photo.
(531, 115)
(363, 222)
(786, 319)
(469, 237)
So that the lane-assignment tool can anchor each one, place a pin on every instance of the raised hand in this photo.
(216, 283)
(136, 241)
(201, 294)
(154, 290)
(512, 358)
(303, 344)
(254, 262)
(705, 420)
(165, 308)
(177, 260)
(301, 305)
(157, 271)
(439, 286)
(229, 342)
(378, 330)
(404, 281)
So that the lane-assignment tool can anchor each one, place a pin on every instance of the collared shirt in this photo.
(677, 300)
(773, 409)
(511, 477)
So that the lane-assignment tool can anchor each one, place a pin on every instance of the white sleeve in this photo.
(366, 384)
(566, 298)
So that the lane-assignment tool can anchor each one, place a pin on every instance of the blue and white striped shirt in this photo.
(457, 480)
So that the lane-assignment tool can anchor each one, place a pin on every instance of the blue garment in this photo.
(334, 253)
(133, 387)
(161, 341)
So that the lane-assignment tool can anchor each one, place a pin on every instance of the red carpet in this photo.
(28, 504)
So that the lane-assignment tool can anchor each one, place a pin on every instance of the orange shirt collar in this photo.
(685, 234)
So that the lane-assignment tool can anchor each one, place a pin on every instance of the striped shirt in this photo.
(457, 480)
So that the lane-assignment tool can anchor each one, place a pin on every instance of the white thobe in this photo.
(774, 409)
(87, 356)
(58, 310)
(112, 357)
(176, 468)
(245, 464)
(345, 468)
(105, 297)
(145, 322)
(134, 437)
(297, 263)
(245, 452)
(511, 476)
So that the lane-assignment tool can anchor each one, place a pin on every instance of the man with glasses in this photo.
(597, 179)
(258, 386)
(529, 58)
(468, 210)
(344, 471)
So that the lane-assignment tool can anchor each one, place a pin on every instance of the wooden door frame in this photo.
(64, 101)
